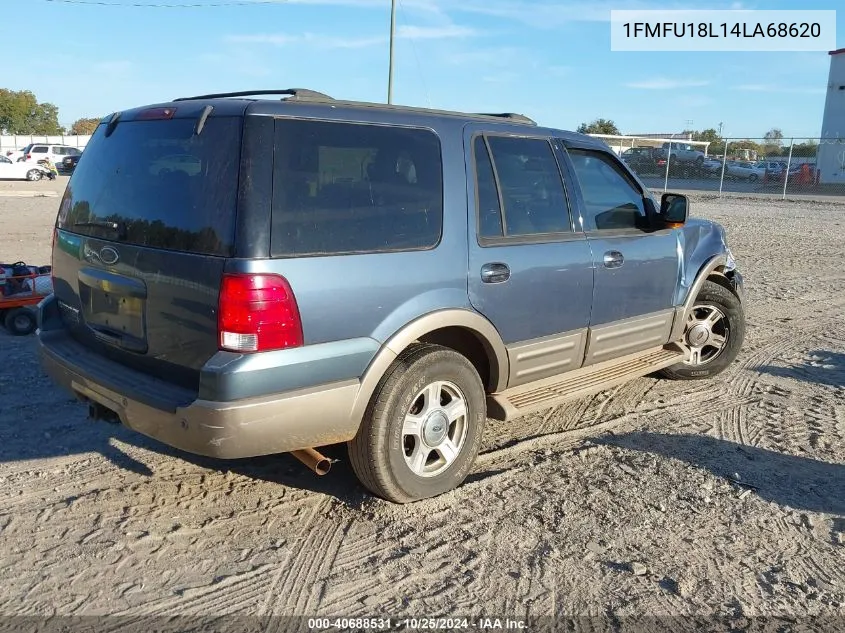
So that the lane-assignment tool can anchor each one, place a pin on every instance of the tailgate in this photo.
(144, 230)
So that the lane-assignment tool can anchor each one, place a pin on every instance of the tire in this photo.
(20, 321)
(381, 452)
(34, 175)
(753, 178)
(731, 326)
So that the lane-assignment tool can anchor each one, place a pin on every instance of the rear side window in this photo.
(533, 200)
(354, 188)
(38, 149)
(165, 186)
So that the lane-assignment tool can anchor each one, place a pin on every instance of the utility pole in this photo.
(720, 128)
(390, 64)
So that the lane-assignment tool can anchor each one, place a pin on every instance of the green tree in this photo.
(808, 149)
(20, 113)
(774, 137)
(599, 126)
(773, 142)
(84, 125)
(717, 143)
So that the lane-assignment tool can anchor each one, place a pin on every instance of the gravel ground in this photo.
(724, 497)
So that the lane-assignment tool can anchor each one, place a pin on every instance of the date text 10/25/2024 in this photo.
(723, 31)
(416, 624)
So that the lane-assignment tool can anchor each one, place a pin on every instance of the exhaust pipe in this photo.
(315, 460)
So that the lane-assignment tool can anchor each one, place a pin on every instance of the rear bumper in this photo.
(304, 418)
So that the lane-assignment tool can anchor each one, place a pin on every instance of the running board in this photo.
(549, 392)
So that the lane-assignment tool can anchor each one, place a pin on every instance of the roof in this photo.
(838, 51)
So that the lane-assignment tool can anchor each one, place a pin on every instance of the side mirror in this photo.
(674, 209)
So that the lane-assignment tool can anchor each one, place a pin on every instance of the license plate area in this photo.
(114, 308)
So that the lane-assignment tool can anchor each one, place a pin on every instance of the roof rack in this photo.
(510, 116)
(294, 93)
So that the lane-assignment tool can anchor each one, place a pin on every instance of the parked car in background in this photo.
(683, 153)
(774, 168)
(14, 170)
(68, 163)
(640, 159)
(711, 167)
(795, 172)
(387, 277)
(38, 151)
(745, 170)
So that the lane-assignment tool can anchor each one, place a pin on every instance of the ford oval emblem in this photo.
(108, 255)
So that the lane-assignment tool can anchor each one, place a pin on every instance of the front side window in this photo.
(354, 188)
(611, 201)
(39, 149)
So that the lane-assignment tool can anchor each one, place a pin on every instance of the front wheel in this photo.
(422, 429)
(33, 175)
(713, 334)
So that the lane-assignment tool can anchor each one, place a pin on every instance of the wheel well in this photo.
(720, 278)
(468, 344)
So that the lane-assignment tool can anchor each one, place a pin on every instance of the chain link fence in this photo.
(784, 168)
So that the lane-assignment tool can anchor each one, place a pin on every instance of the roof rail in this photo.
(295, 93)
(510, 116)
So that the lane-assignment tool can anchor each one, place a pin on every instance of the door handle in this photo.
(495, 273)
(613, 259)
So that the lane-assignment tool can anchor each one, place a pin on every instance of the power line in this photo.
(167, 5)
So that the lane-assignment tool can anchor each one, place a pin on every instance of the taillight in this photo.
(257, 312)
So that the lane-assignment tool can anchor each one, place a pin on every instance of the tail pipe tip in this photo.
(314, 460)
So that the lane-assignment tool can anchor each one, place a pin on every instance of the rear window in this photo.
(351, 188)
(162, 184)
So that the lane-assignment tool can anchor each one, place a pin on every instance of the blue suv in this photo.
(236, 275)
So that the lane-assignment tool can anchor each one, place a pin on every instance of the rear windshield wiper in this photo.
(115, 226)
(118, 227)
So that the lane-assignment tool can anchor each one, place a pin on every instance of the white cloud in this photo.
(546, 15)
(780, 89)
(662, 83)
(411, 32)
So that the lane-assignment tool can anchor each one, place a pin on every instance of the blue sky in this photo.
(549, 59)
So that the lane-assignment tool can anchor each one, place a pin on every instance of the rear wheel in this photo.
(422, 429)
(33, 175)
(20, 321)
(713, 334)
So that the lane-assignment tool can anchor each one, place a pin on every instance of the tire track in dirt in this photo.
(776, 422)
(239, 592)
(691, 408)
(744, 379)
(300, 582)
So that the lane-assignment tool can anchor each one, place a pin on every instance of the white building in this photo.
(831, 154)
